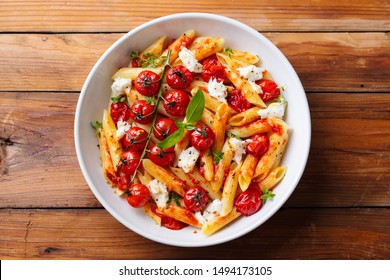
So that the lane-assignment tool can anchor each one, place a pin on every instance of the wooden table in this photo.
(340, 209)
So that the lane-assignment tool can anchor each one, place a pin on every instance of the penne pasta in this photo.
(245, 117)
(148, 209)
(222, 167)
(247, 171)
(181, 214)
(114, 146)
(207, 164)
(259, 126)
(229, 189)
(273, 178)
(219, 126)
(219, 222)
(132, 73)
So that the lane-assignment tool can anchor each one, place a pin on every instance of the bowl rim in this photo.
(202, 242)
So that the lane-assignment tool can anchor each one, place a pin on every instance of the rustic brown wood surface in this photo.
(341, 52)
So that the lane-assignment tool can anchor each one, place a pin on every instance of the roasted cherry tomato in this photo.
(179, 77)
(147, 83)
(162, 157)
(142, 112)
(196, 199)
(237, 101)
(135, 139)
(212, 68)
(119, 111)
(121, 182)
(129, 162)
(176, 103)
(164, 127)
(249, 201)
(270, 89)
(202, 137)
(137, 195)
(258, 146)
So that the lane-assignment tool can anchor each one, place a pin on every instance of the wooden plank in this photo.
(122, 15)
(290, 234)
(348, 165)
(335, 62)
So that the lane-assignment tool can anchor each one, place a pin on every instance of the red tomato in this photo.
(168, 222)
(147, 83)
(258, 146)
(202, 137)
(137, 195)
(196, 199)
(176, 103)
(121, 182)
(270, 89)
(129, 162)
(135, 139)
(142, 112)
(179, 77)
(162, 157)
(212, 68)
(119, 111)
(164, 127)
(249, 201)
(237, 101)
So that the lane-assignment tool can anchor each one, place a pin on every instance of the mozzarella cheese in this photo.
(189, 61)
(120, 86)
(122, 127)
(238, 146)
(217, 90)
(274, 110)
(251, 72)
(212, 210)
(188, 158)
(159, 193)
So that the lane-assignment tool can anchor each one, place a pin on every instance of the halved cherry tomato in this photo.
(147, 83)
(129, 162)
(212, 68)
(237, 101)
(258, 146)
(135, 139)
(249, 201)
(162, 157)
(196, 199)
(142, 112)
(121, 182)
(270, 89)
(179, 77)
(202, 137)
(119, 111)
(137, 195)
(164, 127)
(176, 103)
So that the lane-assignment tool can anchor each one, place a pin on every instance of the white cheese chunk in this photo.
(159, 193)
(122, 127)
(120, 86)
(189, 60)
(217, 90)
(274, 110)
(188, 158)
(251, 72)
(238, 147)
(212, 210)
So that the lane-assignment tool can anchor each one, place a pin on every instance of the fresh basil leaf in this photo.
(195, 107)
(172, 139)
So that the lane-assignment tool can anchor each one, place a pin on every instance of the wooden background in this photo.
(340, 209)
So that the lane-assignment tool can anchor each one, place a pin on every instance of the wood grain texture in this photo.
(350, 147)
(290, 233)
(123, 15)
(336, 62)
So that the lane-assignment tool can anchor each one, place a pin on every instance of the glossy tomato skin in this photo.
(196, 199)
(164, 127)
(249, 201)
(121, 182)
(202, 137)
(212, 68)
(179, 77)
(129, 162)
(119, 111)
(147, 83)
(135, 139)
(176, 103)
(161, 157)
(142, 112)
(258, 146)
(270, 89)
(137, 195)
(237, 101)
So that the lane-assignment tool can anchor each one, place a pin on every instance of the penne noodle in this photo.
(229, 189)
(245, 57)
(245, 117)
(219, 222)
(207, 117)
(207, 163)
(273, 178)
(259, 126)
(180, 214)
(132, 73)
(219, 126)
(181, 146)
(148, 209)
(222, 167)
(105, 156)
(207, 47)
(247, 171)
(211, 103)
(114, 145)
(156, 47)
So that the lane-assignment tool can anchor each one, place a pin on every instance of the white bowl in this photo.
(95, 96)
